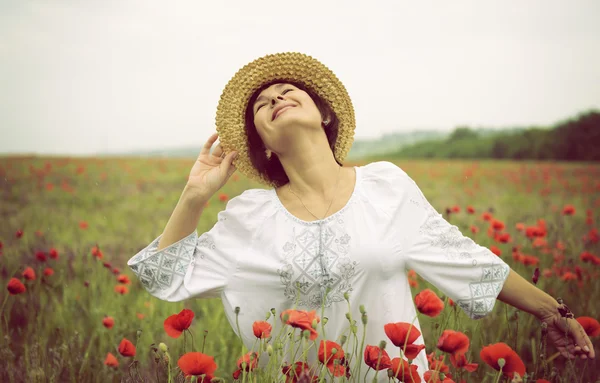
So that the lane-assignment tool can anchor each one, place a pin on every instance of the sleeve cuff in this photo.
(162, 272)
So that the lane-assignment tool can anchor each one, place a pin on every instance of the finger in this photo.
(208, 144)
(218, 151)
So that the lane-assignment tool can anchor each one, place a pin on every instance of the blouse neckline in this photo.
(326, 219)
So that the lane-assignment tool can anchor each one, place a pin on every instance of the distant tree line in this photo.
(576, 139)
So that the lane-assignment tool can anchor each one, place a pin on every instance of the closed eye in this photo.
(261, 105)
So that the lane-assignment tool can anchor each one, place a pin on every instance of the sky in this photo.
(84, 77)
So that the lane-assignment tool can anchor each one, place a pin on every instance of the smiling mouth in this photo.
(282, 110)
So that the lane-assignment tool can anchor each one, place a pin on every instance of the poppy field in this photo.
(72, 311)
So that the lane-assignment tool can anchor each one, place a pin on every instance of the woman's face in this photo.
(302, 114)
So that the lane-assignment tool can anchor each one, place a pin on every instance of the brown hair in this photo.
(272, 168)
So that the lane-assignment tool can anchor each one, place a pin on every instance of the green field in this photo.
(54, 332)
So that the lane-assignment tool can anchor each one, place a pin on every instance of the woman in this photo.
(323, 230)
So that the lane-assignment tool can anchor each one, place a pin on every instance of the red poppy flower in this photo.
(590, 325)
(429, 303)
(140, 316)
(374, 357)
(329, 352)
(40, 256)
(84, 225)
(123, 279)
(53, 253)
(196, 364)
(470, 210)
(405, 372)
(399, 334)
(121, 289)
(303, 320)
(97, 253)
(177, 323)
(299, 372)
(126, 348)
(453, 342)
(15, 286)
(111, 361)
(29, 274)
(223, 197)
(496, 250)
(19, 233)
(497, 225)
(512, 362)
(261, 329)
(251, 360)
(48, 271)
(568, 210)
(460, 361)
(108, 322)
(433, 376)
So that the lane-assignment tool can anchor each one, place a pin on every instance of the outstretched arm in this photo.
(518, 292)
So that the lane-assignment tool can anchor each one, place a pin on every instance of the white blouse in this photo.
(258, 252)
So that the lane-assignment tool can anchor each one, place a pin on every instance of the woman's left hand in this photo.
(568, 336)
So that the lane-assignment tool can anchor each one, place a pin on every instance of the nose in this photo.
(279, 97)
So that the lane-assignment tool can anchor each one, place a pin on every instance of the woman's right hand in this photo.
(210, 171)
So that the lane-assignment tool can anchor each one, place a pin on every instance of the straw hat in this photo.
(286, 66)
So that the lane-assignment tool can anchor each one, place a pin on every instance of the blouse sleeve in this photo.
(470, 274)
(197, 266)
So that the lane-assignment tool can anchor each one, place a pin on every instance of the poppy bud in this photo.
(268, 315)
(334, 351)
(273, 311)
(237, 310)
(501, 362)
(348, 316)
(163, 347)
(361, 308)
(306, 334)
(343, 340)
(390, 373)
(382, 344)
(269, 350)
(346, 296)
(314, 324)
(364, 319)
(324, 320)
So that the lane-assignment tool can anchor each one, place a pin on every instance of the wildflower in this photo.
(108, 322)
(15, 286)
(405, 372)
(175, 324)
(48, 271)
(40, 256)
(329, 353)
(123, 279)
(429, 303)
(140, 316)
(433, 376)
(402, 333)
(375, 356)
(460, 361)
(111, 361)
(29, 274)
(196, 364)
(223, 197)
(501, 351)
(83, 225)
(568, 210)
(453, 342)
(121, 289)
(53, 253)
(470, 210)
(126, 348)
(19, 233)
(247, 362)
(496, 250)
(299, 372)
(590, 325)
(302, 319)
(97, 253)
(261, 329)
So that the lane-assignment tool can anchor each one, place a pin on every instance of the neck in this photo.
(312, 169)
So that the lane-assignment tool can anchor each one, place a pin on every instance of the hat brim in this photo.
(286, 66)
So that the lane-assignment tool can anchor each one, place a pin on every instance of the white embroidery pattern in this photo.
(310, 273)
(156, 270)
